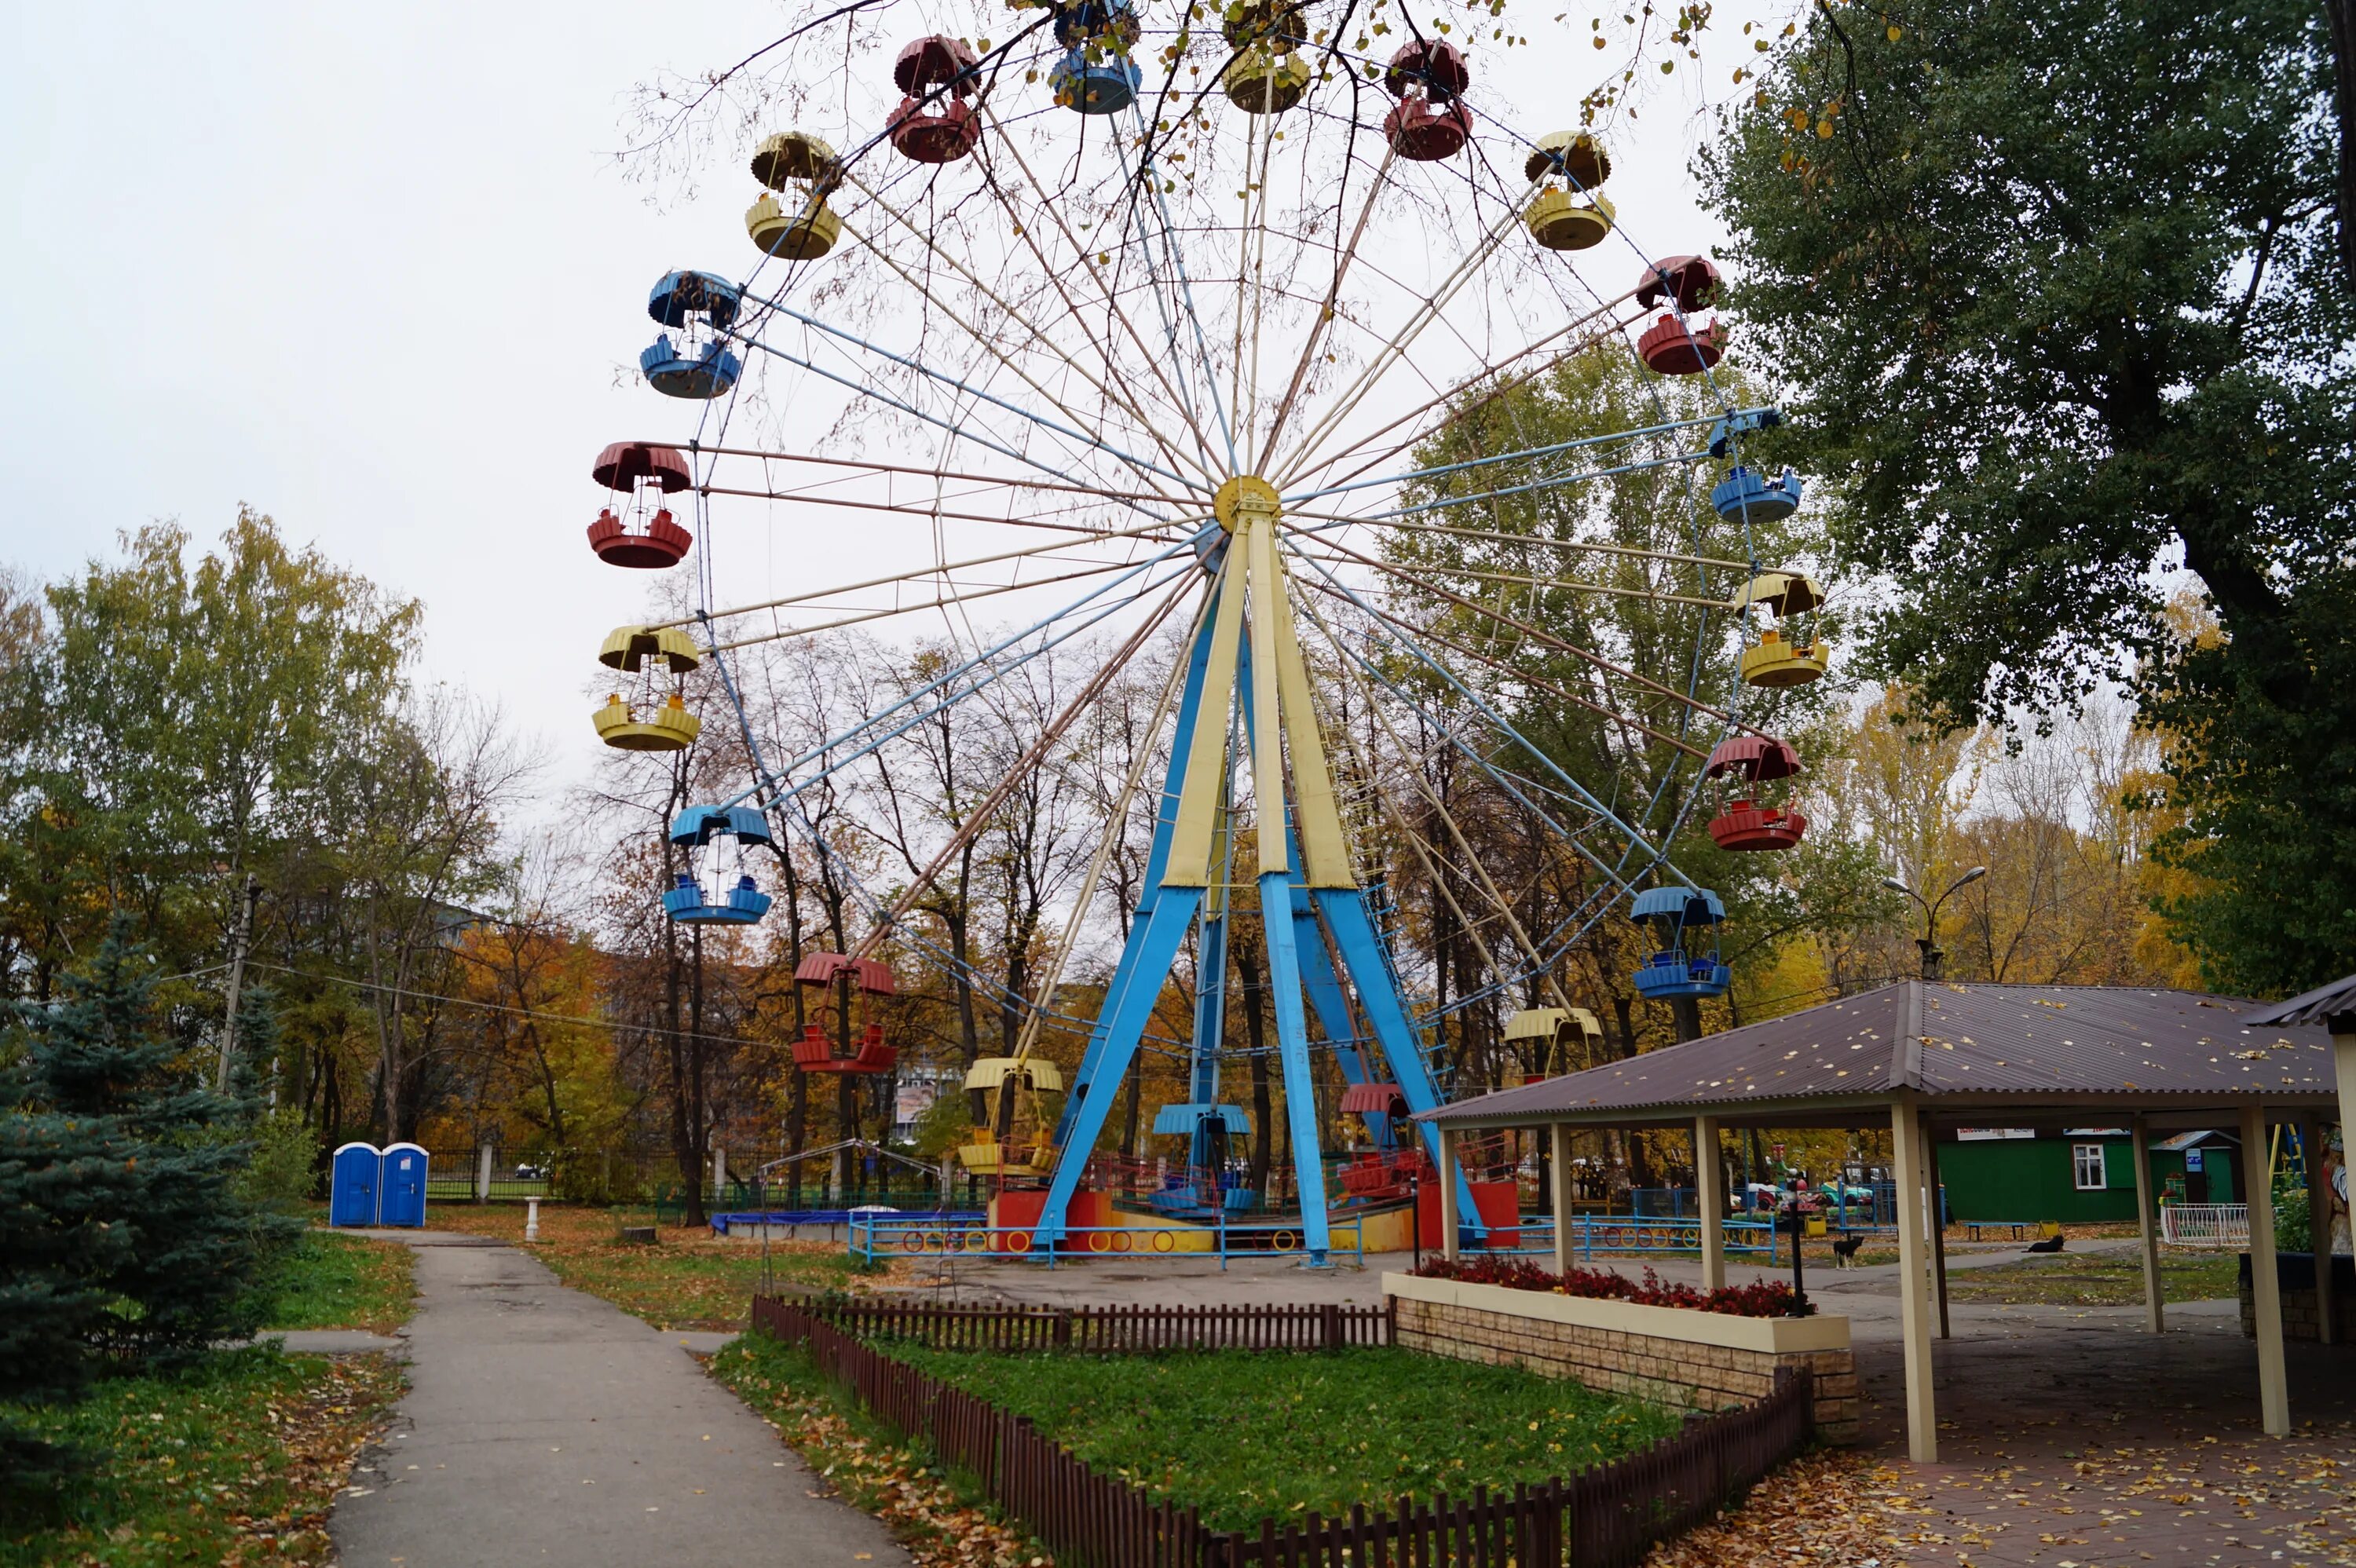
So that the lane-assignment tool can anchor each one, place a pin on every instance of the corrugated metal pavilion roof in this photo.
(2320, 1006)
(2030, 1042)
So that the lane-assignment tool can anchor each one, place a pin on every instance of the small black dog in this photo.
(2050, 1244)
(1844, 1250)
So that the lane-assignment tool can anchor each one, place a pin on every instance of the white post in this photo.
(1561, 1179)
(1906, 1139)
(2147, 1230)
(2265, 1285)
(1449, 1218)
(2318, 1225)
(719, 1174)
(1709, 1198)
(532, 1218)
(483, 1174)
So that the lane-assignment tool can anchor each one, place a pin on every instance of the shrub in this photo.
(1760, 1298)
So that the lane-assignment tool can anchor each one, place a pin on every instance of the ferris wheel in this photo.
(1218, 329)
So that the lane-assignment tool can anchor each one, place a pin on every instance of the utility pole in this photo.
(1933, 960)
(240, 934)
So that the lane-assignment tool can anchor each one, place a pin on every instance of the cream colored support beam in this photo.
(1709, 1195)
(1906, 1142)
(1189, 864)
(1561, 1181)
(2155, 1316)
(2318, 1224)
(2266, 1284)
(1449, 1218)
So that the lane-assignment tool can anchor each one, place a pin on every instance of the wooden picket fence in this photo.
(1116, 1330)
(1607, 1517)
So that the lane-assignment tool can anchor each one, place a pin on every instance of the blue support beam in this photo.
(1157, 948)
(1345, 910)
(1292, 1051)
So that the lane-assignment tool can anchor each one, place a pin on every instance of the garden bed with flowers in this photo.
(1673, 1344)
(1759, 1299)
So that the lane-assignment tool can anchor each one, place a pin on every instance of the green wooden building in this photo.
(2078, 1175)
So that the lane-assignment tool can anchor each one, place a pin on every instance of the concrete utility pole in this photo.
(239, 936)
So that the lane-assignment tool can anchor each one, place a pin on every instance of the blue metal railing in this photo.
(1591, 1234)
(887, 1236)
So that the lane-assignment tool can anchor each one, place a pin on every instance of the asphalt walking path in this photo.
(543, 1426)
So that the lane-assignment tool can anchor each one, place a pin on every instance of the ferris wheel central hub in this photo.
(1245, 494)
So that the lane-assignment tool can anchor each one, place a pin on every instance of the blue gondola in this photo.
(1081, 22)
(698, 306)
(1762, 500)
(716, 890)
(1104, 87)
(1674, 971)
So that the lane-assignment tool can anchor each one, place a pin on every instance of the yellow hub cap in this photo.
(1244, 493)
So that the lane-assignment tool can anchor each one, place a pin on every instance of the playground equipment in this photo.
(1160, 413)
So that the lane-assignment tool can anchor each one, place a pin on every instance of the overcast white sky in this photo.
(373, 270)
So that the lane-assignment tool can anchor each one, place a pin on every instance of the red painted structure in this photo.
(640, 474)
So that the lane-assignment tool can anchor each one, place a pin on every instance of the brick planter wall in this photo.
(2294, 1272)
(1702, 1361)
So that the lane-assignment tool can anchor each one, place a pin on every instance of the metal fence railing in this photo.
(2218, 1227)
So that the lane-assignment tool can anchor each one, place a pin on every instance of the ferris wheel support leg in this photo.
(1292, 1050)
(1156, 862)
(1332, 1007)
(1345, 911)
(1129, 1012)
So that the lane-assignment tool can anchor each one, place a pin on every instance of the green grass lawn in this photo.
(2096, 1279)
(234, 1462)
(330, 1281)
(689, 1279)
(1244, 1434)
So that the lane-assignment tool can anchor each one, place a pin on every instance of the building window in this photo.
(2087, 1161)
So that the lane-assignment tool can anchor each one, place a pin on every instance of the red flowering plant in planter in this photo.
(1760, 1298)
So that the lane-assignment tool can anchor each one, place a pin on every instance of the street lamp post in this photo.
(1928, 943)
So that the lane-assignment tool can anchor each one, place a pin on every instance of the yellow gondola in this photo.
(803, 235)
(1777, 659)
(795, 232)
(1549, 1024)
(990, 1072)
(1569, 213)
(647, 651)
(1262, 81)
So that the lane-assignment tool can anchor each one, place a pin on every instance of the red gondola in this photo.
(640, 475)
(928, 128)
(1745, 824)
(855, 1049)
(1430, 122)
(1691, 281)
(1670, 348)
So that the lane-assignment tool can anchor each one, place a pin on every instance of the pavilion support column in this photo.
(2155, 1316)
(2318, 1224)
(1561, 1179)
(1906, 1141)
(1709, 1196)
(1449, 1218)
(2266, 1284)
(1938, 1211)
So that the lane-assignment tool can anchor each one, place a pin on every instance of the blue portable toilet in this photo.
(353, 1185)
(402, 1186)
